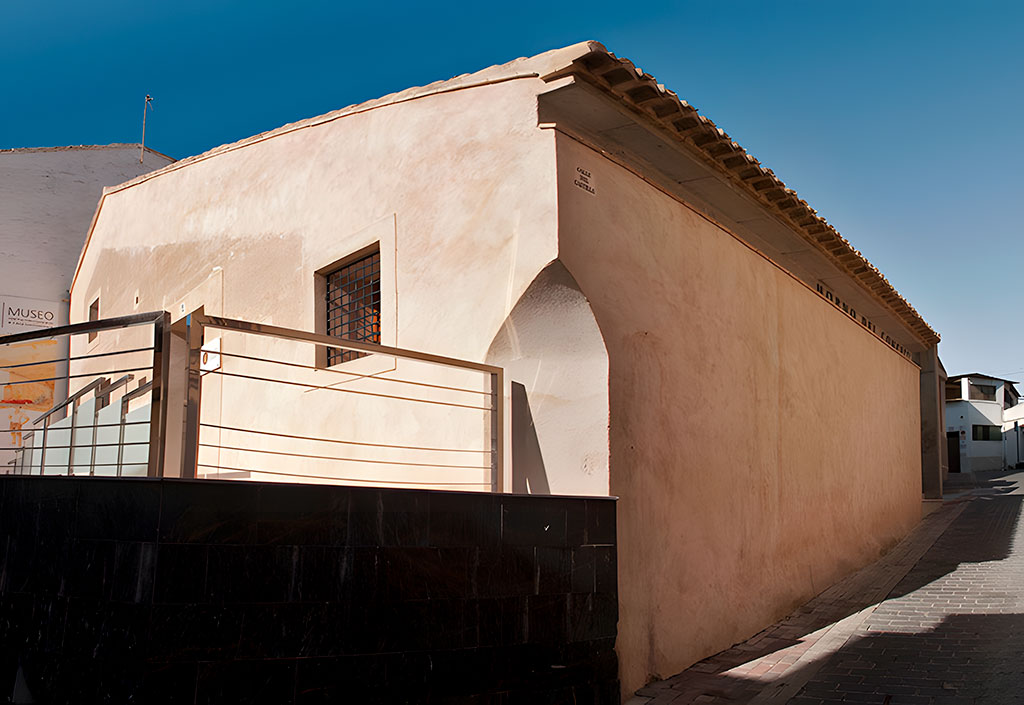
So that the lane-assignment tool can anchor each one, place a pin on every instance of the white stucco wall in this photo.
(47, 200)
(457, 189)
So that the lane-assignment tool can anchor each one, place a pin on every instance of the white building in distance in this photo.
(977, 409)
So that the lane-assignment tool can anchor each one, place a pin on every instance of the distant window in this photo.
(987, 433)
(1009, 398)
(981, 392)
(353, 305)
(953, 391)
(94, 315)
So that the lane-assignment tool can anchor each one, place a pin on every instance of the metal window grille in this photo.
(353, 305)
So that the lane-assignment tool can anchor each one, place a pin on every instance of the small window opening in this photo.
(353, 305)
(94, 315)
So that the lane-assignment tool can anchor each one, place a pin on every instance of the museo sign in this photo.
(18, 315)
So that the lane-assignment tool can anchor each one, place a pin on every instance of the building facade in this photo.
(667, 314)
(48, 197)
(978, 410)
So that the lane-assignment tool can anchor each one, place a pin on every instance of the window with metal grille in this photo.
(353, 305)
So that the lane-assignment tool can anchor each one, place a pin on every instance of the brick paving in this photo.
(939, 619)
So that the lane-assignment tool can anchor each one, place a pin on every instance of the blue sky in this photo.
(900, 122)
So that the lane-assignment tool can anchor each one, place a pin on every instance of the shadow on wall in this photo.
(554, 354)
(529, 475)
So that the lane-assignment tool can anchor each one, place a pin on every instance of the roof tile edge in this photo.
(642, 94)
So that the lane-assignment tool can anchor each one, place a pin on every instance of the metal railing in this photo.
(66, 372)
(262, 402)
(213, 397)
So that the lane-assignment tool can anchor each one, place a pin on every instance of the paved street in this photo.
(940, 619)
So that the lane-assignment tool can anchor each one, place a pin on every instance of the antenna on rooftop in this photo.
(145, 108)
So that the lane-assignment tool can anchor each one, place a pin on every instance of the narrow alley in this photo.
(939, 619)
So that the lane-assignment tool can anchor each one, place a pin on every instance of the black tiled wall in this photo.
(177, 591)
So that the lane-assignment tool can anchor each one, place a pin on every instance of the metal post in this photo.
(95, 433)
(497, 431)
(120, 437)
(158, 397)
(71, 442)
(193, 396)
(42, 455)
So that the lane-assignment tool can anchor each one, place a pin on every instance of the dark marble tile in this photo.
(167, 684)
(339, 679)
(365, 518)
(134, 572)
(464, 673)
(483, 620)
(575, 522)
(601, 521)
(510, 570)
(91, 569)
(194, 632)
(605, 569)
(256, 682)
(405, 518)
(533, 521)
(547, 619)
(39, 507)
(408, 573)
(48, 622)
(105, 630)
(16, 620)
(110, 508)
(180, 573)
(460, 519)
(584, 569)
(309, 515)
(582, 619)
(554, 570)
(325, 573)
(290, 630)
(204, 511)
(606, 612)
(240, 574)
(41, 565)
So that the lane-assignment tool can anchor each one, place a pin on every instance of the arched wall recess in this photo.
(554, 354)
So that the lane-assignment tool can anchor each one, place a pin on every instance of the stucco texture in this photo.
(456, 188)
(762, 443)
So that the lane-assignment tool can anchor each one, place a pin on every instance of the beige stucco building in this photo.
(677, 328)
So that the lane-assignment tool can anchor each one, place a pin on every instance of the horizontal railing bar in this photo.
(137, 319)
(116, 384)
(30, 430)
(86, 374)
(352, 374)
(80, 446)
(137, 392)
(347, 460)
(63, 465)
(75, 359)
(331, 341)
(345, 479)
(334, 440)
(95, 384)
(346, 391)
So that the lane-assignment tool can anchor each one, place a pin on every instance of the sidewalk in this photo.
(936, 620)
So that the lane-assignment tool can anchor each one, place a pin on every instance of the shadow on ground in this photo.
(968, 658)
(983, 533)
